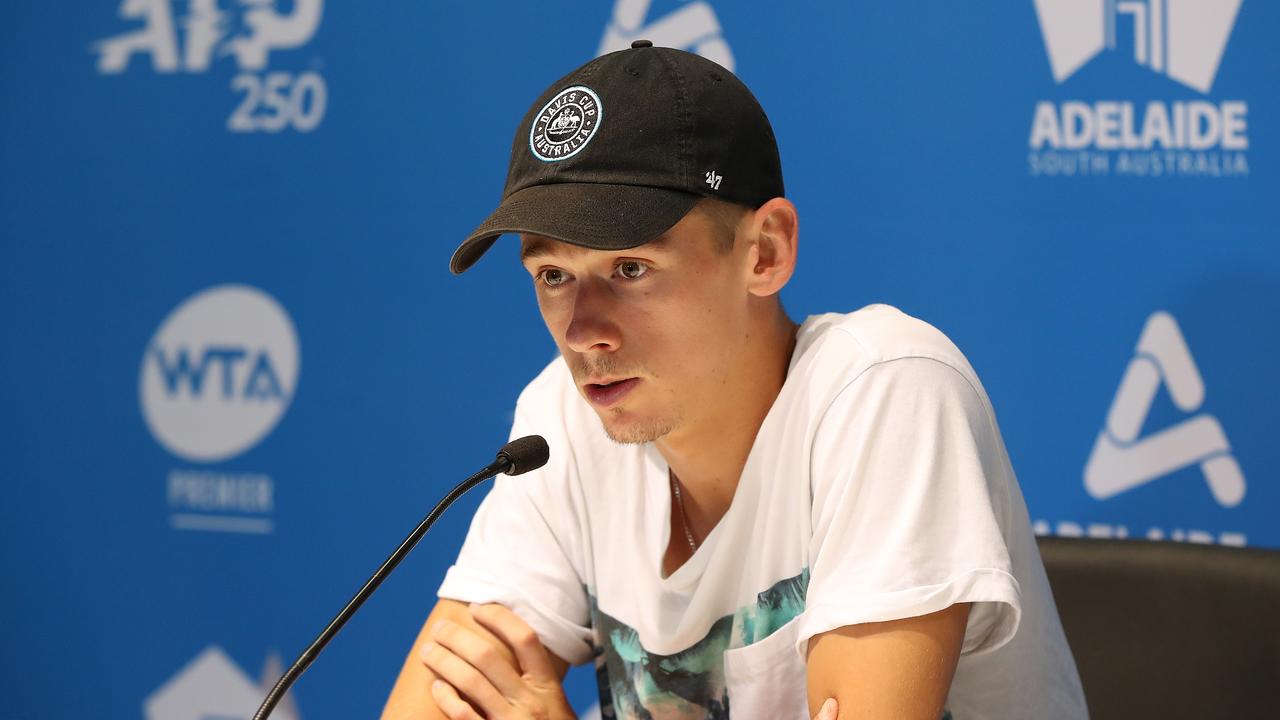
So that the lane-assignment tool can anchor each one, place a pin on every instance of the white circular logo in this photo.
(219, 373)
(565, 124)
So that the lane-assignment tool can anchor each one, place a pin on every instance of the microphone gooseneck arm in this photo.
(517, 456)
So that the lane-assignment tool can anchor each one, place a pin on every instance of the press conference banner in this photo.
(237, 370)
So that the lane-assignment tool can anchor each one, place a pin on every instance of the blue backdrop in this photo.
(237, 371)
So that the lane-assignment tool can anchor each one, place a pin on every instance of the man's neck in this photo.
(707, 458)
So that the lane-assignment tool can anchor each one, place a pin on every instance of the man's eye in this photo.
(552, 277)
(632, 269)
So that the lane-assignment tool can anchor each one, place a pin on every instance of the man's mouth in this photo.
(609, 392)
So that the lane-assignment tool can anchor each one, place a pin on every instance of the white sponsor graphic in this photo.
(693, 27)
(1182, 39)
(216, 378)
(1111, 531)
(212, 501)
(219, 373)
(1122, 461)
(248, 31)
(212, 687)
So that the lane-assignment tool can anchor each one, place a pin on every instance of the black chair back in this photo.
(1170, 630)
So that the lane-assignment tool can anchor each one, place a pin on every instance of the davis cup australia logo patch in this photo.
(566, 124)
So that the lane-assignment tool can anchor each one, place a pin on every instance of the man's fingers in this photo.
(447, 700)
(482, 655)
(462, 676)
(518, 636)
(828, 711)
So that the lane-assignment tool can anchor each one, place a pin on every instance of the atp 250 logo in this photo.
(248, 31)
(1184, 40)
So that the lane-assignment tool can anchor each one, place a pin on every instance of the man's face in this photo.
(653, 335)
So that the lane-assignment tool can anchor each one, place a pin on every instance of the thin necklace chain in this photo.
(675, 484)
(684, 516)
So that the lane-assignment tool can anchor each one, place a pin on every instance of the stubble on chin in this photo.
(638, 432)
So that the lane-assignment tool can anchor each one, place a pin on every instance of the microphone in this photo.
(516, 457)
(525, 454)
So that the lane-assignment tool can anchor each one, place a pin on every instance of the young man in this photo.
(741, 514)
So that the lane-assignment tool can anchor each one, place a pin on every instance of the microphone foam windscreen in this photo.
(526, 453)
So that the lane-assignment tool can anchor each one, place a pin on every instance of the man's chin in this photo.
(627, 429)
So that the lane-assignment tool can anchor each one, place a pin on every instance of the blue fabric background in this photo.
(904, 135)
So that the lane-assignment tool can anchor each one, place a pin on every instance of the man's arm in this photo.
(411, 697)
(898, 669)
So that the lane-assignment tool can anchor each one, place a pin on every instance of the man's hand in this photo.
(830, 710)
(478, 682)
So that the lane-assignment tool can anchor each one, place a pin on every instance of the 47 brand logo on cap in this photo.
(566, 124)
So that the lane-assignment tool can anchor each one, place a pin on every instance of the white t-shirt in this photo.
(878, 488)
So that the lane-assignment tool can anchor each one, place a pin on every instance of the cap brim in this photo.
(594, 215)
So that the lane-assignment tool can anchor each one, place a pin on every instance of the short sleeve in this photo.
(910, 505)
(520, 549)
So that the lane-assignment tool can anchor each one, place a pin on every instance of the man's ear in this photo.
(774, 235)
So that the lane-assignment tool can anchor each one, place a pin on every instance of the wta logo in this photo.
(219, 373)
(1183, 40)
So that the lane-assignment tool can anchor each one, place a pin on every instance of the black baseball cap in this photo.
(616, 152)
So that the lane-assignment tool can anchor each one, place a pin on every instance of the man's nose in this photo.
(591, 324)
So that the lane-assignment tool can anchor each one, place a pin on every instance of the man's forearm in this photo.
(410, 698)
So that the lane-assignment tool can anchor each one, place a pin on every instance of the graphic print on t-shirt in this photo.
(689, 685)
